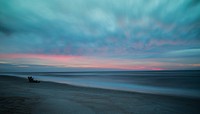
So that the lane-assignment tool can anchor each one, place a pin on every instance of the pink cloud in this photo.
(66, 61)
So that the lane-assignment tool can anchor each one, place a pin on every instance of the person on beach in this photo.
(31, 80)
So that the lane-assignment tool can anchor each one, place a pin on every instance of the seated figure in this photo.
(31, 80)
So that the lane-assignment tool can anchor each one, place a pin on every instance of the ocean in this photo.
(173, 83)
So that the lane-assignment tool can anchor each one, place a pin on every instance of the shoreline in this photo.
(185, 94)
(52, 97)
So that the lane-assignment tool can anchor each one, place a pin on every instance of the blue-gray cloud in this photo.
(114, 28)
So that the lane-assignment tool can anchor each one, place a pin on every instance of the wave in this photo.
(115, 85)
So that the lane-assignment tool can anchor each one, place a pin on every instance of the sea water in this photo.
(176, 83)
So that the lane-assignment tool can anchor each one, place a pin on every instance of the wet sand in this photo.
(20, 97)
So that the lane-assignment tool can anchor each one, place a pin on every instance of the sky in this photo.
(76, 35)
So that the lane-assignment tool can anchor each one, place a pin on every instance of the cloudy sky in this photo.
(67, 35)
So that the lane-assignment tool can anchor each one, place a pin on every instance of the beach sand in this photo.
(20, 97)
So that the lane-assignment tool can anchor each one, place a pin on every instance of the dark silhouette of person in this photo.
(31, 80)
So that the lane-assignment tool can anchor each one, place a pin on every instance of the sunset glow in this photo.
(130, 35)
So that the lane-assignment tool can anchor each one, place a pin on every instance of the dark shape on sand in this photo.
(31, 80)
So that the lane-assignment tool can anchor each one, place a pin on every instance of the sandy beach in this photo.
(20, 97)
